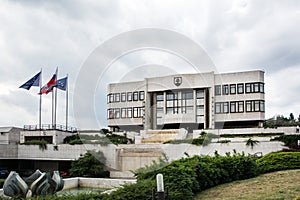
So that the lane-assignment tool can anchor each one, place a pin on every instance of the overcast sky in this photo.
(237, 35)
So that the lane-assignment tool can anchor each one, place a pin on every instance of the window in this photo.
(108, 98)
(135, 96)
(225, 107)
(111, 98)
(232, 107)
(123, 112)
(225, 89)
(123, 97)
(256, 87)
(221, 107)
(129, 112)
(135, 112)
(129, 96)
(248, 88)
(262, 106)
(200, 94)
(248, 106)
(187, 95)
(255, 106)
(110, 114)
(262, 87)
(141, 112)
(117, 113)
(218, 90)
(240, 106)
(232, 89)
(218, 108)
(171, 96)
(240, 88)
(159, 97)
(117, 97)
(142, 95)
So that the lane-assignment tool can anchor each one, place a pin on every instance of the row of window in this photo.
(239, 88)
(239, 106)
(123, 97)
(177, 95)
(116, 113)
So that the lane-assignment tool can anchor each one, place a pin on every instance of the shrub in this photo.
(42, 143)
(204, 139)
(279, 161)
(251, 142)
(290, 141)
(91, 164)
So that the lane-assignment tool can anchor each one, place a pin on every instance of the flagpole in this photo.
(55, 97)
(67, 102)
(40, 107)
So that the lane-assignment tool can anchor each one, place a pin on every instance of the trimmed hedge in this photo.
(290, 141)
(279, 161)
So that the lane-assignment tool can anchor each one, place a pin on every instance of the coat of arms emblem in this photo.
(177, 81)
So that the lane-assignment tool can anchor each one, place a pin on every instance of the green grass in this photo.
(277, 185)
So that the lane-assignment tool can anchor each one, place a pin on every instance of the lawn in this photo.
(277, 185)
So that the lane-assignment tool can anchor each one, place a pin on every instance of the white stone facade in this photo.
(191, 101)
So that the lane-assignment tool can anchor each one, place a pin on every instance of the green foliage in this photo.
(290, 141)
(1, 182)
(279, 161)
(204, 139)
(250, 142)
(188, 141)
(91, 164)
(95, 139)
(118, 139)
(187, 176)
(280, 120)
(42, 143)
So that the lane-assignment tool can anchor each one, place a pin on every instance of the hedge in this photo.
(279, 161)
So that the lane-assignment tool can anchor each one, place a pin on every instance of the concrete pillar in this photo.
(154, 112)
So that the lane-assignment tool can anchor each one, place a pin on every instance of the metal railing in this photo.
(50, 127)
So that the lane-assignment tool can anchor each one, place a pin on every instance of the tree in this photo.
(251, 142)
(292, 118)
(91, 164)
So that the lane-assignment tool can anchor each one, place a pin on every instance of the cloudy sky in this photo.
(237, 35)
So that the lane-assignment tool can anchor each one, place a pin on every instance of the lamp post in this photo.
(160, 189)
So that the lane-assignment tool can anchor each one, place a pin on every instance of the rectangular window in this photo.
(110, 114)
(170, 96)
(135, 112)
(200, 94)
(117, 97)
(135, 96)
(111, 98)
(108, 98)
(225, 107)
(248, 87)
(232, 89)
(240, 88)
(142, 95)
(240, 106)
(256, 106)
(129, 112)
(218, 90)
(225, 89)
(187, 95)
(232, 107)
(262, 87)
(248, 106)
(141, 112)
(117, 113)
(123, 97)
(123, 112)
(262, 106)
(129, 96)
(256, 87)
(160, 97)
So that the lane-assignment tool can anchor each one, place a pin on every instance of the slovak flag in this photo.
(49, 86)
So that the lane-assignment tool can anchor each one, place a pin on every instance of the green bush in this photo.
(204, 139)
(188, 141)
(42, 143)
(279, 161)
(188, 176)
(91, 164)
(290, 141)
